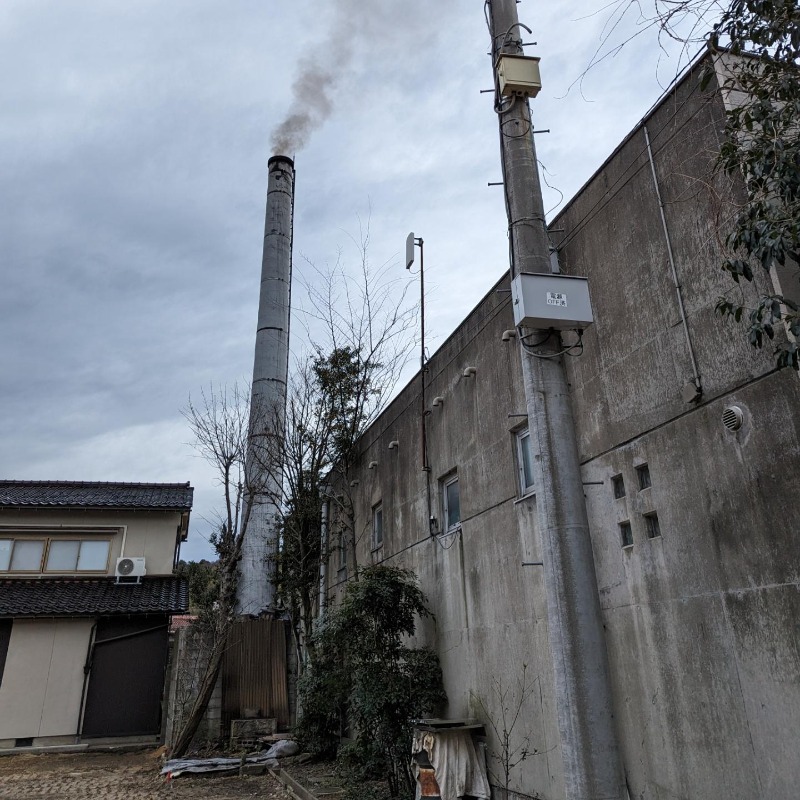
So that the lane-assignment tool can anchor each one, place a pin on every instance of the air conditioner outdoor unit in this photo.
(130, 568)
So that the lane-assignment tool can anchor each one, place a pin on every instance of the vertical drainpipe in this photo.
(323, 561)
(256, 590)
(689, 395)
(87, 669)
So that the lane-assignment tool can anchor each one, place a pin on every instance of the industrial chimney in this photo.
(256, 592)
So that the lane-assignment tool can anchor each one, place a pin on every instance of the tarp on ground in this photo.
(268, 758)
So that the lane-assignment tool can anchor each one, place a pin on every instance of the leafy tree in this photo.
(203, 580)
(361, 339)
(763, 146)
(367, 331)
(307, 458)
(365, 675)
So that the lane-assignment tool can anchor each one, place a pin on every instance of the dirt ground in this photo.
(119, 776)
(318, 778)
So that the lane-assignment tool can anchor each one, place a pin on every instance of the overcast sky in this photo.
(134, 139)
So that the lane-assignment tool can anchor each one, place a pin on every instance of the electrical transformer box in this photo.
(544, 300)
(518, 75)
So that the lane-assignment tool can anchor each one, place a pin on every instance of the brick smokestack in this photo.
(256, 592)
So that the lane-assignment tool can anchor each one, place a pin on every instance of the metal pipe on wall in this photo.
(256, 590)
(87, 668)
(411, 243)
(671, 255)
(323, 561)
(423, 368)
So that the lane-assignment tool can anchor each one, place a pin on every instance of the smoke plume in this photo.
(373, 28)
(316, 82)
(312, 102)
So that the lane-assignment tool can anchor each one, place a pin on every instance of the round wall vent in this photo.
(732, 418)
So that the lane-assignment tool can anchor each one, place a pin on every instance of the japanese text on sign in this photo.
(556, 299)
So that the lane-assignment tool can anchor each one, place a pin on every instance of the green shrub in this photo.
(362, 675)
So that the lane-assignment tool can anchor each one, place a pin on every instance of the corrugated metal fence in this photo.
(254, 672)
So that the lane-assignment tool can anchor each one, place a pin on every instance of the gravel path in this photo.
(118, 776)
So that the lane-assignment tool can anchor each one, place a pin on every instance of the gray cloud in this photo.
(133, 149)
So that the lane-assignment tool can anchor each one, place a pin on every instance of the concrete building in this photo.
(689, 442)
(86, 590)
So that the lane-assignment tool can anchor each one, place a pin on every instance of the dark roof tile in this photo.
(81, 494)
(91, 597)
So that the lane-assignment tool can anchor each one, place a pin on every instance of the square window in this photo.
(62, 556)
(451, 503)
(377, 526)
(27, 555)
(54, 554)
(618, 485)
(93, 556)
(5, 554)
(653, 528)
(626, 534)
(643, 473)
(524, 461)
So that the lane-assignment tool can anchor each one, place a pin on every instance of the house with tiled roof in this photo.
(87, 589)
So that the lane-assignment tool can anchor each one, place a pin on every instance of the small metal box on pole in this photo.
(542, 300)
(518, 75)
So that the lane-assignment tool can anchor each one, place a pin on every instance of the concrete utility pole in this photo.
(256, 590)
(592, 769)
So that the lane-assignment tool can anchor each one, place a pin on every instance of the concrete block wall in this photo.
(189, 653)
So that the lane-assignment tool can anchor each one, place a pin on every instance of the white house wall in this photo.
(40, 694)
(149, 534)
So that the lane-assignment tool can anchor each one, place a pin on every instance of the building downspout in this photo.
(87, 669)
(411, 243)
(323, 562)
(423, 368)
(675, 281)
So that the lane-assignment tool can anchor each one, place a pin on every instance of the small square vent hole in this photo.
(626, 534)
(653, 528)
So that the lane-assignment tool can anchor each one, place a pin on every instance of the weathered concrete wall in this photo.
(489, 609)
(636, 361)
(701, 620)
(690, 615)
